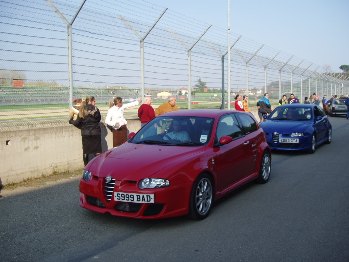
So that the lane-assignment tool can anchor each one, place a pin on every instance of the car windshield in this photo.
(339, 102)
(292, 113)
(175, 131)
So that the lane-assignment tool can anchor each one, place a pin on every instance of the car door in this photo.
(231, 160)
(320, 123)
(249, 128)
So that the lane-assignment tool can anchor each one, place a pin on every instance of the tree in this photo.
(345, 68)
(200, 86)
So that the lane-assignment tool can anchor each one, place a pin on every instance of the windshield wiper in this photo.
(153, 142)
(186, 144)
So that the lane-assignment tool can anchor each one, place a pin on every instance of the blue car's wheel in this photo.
(313, 145)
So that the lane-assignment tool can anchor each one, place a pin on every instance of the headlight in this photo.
(153, 183)
(86, 175)
(297, 134)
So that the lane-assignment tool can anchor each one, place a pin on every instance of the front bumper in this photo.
(169, 202)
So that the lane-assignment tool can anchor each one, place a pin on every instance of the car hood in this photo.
(284, 126)
(137, 161)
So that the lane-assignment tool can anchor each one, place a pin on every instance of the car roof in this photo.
(201, 112)
(298, 105)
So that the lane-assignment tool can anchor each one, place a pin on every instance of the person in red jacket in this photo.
(238, 103)
(146, 112)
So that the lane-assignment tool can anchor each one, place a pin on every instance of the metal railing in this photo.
(59, 49)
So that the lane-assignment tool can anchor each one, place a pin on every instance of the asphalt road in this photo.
(302, 214)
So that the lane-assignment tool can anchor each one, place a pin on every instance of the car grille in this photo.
(109, 184)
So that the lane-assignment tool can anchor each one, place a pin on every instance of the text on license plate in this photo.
(289, 140)
(134, 198)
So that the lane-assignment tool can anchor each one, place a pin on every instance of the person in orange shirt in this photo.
(245, 103)
(168, 106)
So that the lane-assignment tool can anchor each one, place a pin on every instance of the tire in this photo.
(313, 145)
(201, 198)
(265, 169)
(329, 137)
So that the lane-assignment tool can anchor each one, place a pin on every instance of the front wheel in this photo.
(265, 169)
(313, 145)
(201, 198)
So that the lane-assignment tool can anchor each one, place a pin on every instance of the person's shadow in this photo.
(104, 134)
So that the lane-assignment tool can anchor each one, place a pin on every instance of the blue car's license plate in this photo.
(289, 140)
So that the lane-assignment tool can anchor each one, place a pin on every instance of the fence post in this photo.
(70, 45)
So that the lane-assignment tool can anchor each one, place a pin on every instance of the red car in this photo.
(178, 164)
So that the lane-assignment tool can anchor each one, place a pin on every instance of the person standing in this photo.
(87, 121)
(146, 112)
(283, 100)
(245, 103)
(116, 121)
(238, 103)
(264, 107)
(292, 99)
(168, 106)
(315, 99)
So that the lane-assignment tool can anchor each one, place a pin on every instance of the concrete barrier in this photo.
(34, 152)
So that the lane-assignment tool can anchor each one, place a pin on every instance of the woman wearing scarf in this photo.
(264, 107)
(116, 121)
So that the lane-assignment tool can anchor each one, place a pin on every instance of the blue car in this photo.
(297, 127)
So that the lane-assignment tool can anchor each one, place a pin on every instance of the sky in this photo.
(314, 30)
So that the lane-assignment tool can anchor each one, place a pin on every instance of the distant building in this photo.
(17, 83)
(163, 95)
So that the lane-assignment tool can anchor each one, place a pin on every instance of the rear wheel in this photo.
(201, 198)
(265, 169)
(329, 136)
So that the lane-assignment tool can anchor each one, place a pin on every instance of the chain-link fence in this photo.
(54, 51)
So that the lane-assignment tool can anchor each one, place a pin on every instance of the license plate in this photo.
(289, 140)
(134, 198)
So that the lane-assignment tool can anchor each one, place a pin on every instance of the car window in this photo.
(248, 124)
(183, 130)
(228, 126)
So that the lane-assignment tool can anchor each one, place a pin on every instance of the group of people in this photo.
(87, 117)
(263, 105)
(241, 103)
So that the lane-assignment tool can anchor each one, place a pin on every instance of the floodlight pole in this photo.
(292, 74)
(280, 74)
(265, 71)
(189, 66)
(70, 44)
(223, 58)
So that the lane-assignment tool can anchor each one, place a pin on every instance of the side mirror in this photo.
(131, 135)
(225, 140)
